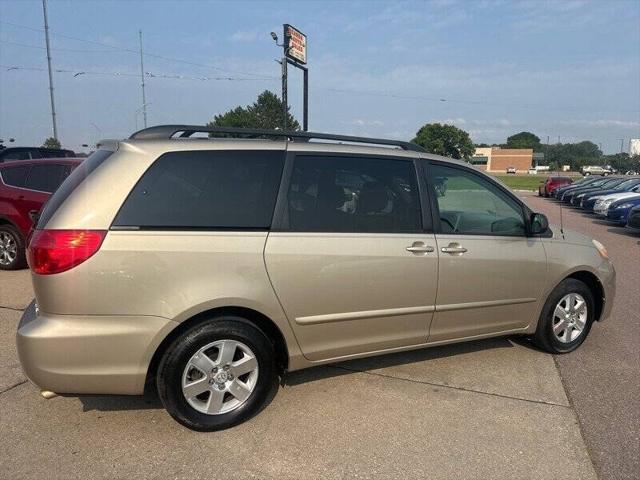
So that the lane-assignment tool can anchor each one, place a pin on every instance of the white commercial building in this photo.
(634, 146)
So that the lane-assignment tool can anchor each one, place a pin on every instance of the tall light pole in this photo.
(46, 36)
(144, 99)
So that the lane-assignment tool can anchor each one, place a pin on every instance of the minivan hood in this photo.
(571, 236)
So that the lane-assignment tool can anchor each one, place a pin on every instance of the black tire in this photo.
(174, 361)
(20, 260)
(544, 336)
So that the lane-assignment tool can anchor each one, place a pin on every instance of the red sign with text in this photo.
(296, 44)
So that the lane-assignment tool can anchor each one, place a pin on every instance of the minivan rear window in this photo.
(70, 184)
(206, 190)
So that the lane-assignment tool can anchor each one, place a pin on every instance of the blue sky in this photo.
(561, 68)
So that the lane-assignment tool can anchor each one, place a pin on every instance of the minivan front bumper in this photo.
(97, 354)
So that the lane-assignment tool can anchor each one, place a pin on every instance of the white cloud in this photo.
(602, 123)
(359, 122)
(243, 36)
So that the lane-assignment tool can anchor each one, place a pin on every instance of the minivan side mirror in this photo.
(538, 223)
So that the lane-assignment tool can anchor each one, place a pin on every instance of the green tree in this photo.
(52, 143)
(446, 140)
(524, 140)
(576, 155)
(265, 113)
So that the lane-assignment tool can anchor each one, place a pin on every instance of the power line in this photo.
(78, 73)
(467, 101)
(137, 52)
(73, 50)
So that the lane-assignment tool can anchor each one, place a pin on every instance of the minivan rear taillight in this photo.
(56, 251)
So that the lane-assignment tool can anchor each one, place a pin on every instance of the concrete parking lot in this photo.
(489, 409)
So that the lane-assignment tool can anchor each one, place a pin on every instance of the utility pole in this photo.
(144, 98)
(285, 101)
(622, 145)
(46, 36)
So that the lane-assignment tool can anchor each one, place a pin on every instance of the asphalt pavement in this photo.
(488, 409)
(602, 378)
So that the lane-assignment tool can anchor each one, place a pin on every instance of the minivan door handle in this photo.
(453, 248)
(419, 247)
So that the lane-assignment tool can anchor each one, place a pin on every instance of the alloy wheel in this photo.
(220, 377)
(570, 317)
(8, 249)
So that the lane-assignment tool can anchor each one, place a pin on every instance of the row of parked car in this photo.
(616, 199)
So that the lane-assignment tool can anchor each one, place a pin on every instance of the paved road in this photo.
(602, 378)
(490, 409)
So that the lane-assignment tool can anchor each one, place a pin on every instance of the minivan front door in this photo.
(491, 275)
(354, 270)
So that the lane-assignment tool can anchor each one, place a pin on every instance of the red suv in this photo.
(25, 186)
(547, 187)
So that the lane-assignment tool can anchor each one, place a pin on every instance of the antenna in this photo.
(557, 175)
(561, 223)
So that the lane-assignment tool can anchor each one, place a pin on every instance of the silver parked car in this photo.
(209, 266)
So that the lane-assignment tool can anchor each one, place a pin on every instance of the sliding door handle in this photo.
(453, 248)
(419, 247)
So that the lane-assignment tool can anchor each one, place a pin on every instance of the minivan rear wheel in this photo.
(217, 374)
(566, 317)
(12, 253)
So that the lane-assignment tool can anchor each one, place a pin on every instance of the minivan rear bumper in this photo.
(97, 354)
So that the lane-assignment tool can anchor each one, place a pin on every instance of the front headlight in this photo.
(625, 205)
(601, 249)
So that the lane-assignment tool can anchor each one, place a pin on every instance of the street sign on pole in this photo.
(295, 44)
(295, 54)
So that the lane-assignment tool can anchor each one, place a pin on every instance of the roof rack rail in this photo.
(168, 131)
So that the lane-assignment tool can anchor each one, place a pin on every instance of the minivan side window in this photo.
(205, 190)
(14, 176)
(469, 204)
(46, 178)
(353, 194)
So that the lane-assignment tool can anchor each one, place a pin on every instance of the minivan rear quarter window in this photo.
(206, 190)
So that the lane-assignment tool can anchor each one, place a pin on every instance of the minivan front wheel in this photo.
(566, 318)
(217, 374)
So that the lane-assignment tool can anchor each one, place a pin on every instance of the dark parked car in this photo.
(619, 210)
(633, 220)
(602, 184)
(583, 182)
(25, 186)
(608, 185)
(552, 183)
(31, 153)
(588, 200)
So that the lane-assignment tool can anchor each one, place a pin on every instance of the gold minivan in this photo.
(208, 267)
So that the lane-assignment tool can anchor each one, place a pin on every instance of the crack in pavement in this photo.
(12, 308)
(454, 387)
(13, 386)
